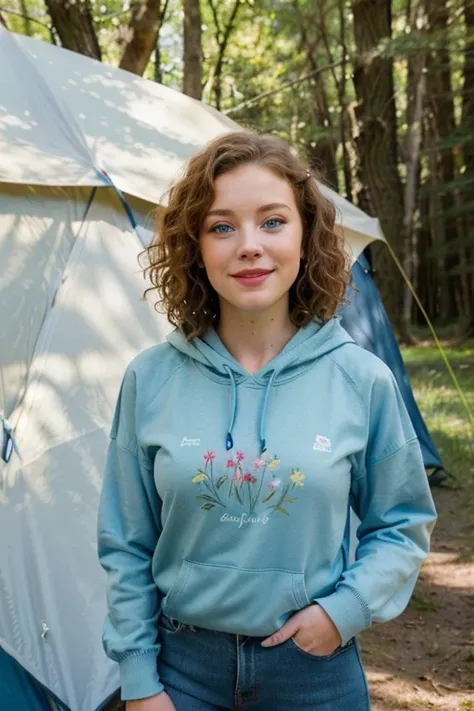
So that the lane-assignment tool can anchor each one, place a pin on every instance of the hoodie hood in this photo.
(307, 345)
(300, 353)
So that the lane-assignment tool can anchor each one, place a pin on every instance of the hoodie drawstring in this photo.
(229, 442)
(263, 415)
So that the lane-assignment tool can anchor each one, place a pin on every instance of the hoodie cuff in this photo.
(139, 676)
(347, 610)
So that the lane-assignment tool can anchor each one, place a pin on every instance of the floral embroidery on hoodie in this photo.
(254, 485)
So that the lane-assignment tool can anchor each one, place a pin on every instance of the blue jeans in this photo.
(211, 671)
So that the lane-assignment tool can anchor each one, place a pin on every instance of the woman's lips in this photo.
(252, 277)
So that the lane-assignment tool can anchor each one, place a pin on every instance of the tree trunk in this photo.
(3, 21)
(158, 74)
(468, 146)
(428, 284)
(377, 140)
(73, 23)
(342, 95)
(192, 79)
(440, 106)
(141, 35)
(323, 155)
(340, 82)
(412, 151)
(222, 38)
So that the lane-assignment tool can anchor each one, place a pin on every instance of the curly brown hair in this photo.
(174, 265)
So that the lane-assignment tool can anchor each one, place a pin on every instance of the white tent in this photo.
(82, 147)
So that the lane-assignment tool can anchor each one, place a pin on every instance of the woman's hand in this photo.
(159, 702)
(312, 629)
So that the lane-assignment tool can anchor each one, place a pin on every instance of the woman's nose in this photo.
(250, 245)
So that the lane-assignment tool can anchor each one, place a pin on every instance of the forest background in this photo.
(378, 94)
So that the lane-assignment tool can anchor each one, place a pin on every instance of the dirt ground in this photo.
(425, 658)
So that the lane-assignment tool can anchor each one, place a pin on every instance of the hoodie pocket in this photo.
(321, 657)
(235, 600)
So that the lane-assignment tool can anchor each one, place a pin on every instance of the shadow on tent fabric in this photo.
(365, 319)
(19, 691)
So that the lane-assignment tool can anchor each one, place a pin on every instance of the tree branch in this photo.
(327, 46)
(319, 93)
(26, 23)
(215, 17)
(110, 16)
(216, 79)
(158, 75)
(30, 19)
(24, 17)
(305, 77)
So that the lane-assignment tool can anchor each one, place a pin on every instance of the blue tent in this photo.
(19, 691)
(365, 319)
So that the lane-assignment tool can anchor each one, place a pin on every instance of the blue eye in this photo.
(273, 223)
(221, 229)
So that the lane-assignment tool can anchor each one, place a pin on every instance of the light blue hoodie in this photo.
(226, 495)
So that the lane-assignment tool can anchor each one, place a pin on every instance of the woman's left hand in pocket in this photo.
(312, 629)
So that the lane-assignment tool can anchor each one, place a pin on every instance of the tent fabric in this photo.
(367, 322)
(37, 232)
(96, 324)
(67, 119)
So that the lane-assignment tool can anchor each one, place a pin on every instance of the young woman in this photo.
(237, 450)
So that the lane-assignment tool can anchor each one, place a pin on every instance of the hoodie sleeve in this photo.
(128, 531)
(391, 496)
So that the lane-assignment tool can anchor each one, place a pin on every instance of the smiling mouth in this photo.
(252, 273)
(252, 277)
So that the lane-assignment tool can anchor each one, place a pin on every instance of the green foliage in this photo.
(288, 68)
(440, 404)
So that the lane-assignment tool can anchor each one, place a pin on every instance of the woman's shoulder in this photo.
(361, 366)
(154, 364)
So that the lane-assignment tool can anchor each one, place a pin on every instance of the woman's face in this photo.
(251, 239)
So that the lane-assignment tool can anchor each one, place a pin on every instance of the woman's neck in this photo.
(255, 338)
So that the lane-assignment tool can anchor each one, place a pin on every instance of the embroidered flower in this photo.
(274, 484)
(273, 463)
(209, 456)
(199, 477)
(259, 463)
(240, 456)
(237, 477)
(297, 477)
(249, 479)
(230, 464)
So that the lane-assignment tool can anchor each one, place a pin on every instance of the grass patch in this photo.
(439, 402)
